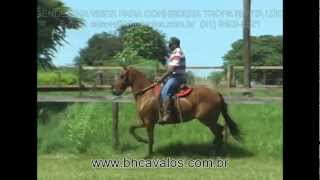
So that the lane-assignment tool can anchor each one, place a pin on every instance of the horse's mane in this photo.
(138, 73)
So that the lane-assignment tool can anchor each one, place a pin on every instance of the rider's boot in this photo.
(167, 110)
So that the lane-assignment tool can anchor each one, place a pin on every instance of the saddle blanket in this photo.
(185, 91)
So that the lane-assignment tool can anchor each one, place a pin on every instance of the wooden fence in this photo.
(128, 99)
(231, 73)
(230, 77)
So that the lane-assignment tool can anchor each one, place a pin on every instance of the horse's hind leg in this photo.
(133, 133)
(217, 130)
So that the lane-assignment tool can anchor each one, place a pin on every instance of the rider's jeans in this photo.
(171, 86)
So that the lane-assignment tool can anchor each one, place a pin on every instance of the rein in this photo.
(145, 89)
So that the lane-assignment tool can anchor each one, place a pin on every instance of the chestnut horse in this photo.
(202, 103)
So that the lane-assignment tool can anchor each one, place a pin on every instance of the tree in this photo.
(133, 44)
(77, 60)
(100, 49)
(265, 50)
(54, 18)
(190, 78)
(124, 28)
(216, 77)
(127, 57)
(146, 41)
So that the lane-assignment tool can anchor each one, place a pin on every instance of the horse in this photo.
(202, 103)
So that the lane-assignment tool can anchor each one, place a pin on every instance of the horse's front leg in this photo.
(150, 132)
(133, 133)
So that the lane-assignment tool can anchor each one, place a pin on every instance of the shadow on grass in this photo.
(201, 150)
(128, 147)
(53, 106)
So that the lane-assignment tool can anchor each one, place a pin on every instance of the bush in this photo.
(57, 78)
(216, 77)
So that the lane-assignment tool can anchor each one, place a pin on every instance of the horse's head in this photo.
(121, 82)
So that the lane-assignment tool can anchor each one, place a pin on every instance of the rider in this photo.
(174, 77)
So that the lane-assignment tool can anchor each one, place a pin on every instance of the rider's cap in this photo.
(174, 40)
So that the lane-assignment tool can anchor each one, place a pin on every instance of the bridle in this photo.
(142, 91)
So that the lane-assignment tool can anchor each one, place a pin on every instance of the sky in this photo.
(206, 28)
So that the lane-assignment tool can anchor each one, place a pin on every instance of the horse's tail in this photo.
(234, 129)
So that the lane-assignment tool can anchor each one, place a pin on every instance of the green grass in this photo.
(77, 133)
(70, 167)
(57, 77)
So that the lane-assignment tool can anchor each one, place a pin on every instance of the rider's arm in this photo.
(173, 63)
(166, 74)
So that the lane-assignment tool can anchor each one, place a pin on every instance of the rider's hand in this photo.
(157, 80)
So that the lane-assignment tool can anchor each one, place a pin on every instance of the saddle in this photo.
(183, 91)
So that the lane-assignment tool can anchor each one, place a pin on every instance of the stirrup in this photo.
(161, 120)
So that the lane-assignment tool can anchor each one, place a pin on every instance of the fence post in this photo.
(264, 77)
(115, 132)
(101, 78)
(229, 75)
(80, 79)
(233, 81)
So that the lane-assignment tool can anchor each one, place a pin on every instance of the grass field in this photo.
(76, 133)
(79, 167)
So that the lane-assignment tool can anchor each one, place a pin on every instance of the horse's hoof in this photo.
(218, 153)
(215, 153)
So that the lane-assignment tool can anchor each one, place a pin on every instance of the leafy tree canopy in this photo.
(133, 43)
(146, 41)
(100, 49)
(266, 50)
(54, 18)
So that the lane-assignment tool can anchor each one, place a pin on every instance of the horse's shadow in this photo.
(201, 150)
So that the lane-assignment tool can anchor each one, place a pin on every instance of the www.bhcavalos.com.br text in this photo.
(159, 163)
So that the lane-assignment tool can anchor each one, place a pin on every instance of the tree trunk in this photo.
(246, 43)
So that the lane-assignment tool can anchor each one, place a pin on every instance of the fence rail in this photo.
(102, 67)
(260, 67)
(119, 67)
(50, 88)
(129, 99)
